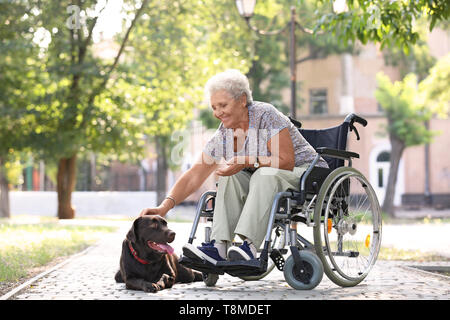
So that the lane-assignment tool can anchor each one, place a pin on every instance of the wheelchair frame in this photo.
(307, 262)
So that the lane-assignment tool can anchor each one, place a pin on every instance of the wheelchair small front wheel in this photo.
(303, 278)
(210, 279)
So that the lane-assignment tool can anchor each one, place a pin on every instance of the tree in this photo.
(72, 111)
(177, 46)
(18, 73)
(407, 107)
(81, 103)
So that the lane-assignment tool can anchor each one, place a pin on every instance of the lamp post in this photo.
(246, 9)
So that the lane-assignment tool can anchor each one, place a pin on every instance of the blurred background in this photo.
(93, 94)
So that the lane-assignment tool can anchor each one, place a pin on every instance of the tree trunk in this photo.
(4, 192)
(65, 185)
(397, 147)
(92, 173)
(161, 173)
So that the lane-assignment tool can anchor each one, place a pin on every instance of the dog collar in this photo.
(134, 253)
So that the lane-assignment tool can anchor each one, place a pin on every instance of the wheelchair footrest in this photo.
(252, 267)
(199, 265)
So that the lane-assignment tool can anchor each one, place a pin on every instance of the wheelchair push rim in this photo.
(347, 230)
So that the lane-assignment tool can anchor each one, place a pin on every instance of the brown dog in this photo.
(147, 262)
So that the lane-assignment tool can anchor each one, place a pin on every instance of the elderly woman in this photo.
(264, 154)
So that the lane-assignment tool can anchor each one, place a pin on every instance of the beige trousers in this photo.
(244, 200)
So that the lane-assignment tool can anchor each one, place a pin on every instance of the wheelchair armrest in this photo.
(334, 153)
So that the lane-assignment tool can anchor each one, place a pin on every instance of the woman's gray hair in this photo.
(233, 81)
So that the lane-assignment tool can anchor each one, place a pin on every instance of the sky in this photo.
(110, 21)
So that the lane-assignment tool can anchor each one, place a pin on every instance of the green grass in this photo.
(389, 253)
(388, 219)
(24, 246)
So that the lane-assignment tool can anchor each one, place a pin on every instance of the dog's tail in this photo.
(118, 277)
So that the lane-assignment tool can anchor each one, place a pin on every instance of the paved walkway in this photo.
(90, 275)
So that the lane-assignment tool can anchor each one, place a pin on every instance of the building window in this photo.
(379, 108)
(383, 170)
(384, 157)
(318, 101)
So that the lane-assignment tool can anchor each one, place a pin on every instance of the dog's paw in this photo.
(169, 280)
(150, 287)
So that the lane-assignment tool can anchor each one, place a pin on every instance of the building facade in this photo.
(337, 85)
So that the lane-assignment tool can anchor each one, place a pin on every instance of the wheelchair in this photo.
(337, 202)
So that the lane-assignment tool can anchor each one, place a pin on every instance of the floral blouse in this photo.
(265, 122)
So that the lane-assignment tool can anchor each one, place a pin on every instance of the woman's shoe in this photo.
(208, 251)
(247, 251)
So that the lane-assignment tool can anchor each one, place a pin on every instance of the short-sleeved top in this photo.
(265, 122)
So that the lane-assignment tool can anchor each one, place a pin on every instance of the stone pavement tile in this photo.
(91, 277)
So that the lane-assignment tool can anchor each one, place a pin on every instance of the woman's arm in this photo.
(281, 150)
(187, 184)
(281, 156)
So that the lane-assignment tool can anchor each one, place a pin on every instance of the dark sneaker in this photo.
(207, 251)
(244, 252)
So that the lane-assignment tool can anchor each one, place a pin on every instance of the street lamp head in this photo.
(245, 7)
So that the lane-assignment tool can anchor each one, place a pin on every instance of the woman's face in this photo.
(231, 112)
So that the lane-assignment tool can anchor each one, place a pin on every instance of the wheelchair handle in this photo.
(354, 118)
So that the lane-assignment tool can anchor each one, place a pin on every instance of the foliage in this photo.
(48, 78)
(66, 100)
(73, 114)
(401, 102)
(408, 104)
(18, 72)
(14, 170)
(177, 46)
(386, 22)
(418, 59)
(435, 88)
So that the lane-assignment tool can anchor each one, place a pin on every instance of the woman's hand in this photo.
(161, 211)
(232, 166)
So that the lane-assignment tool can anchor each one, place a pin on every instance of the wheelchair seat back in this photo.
(334, 138)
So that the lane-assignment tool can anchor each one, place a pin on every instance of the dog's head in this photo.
(151, 235)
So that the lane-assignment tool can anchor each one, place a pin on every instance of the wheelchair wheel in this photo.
(306, 278)
(278, 242)
(210, 279)
(347, 226)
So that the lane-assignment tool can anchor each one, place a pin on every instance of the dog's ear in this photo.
(132, 234)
